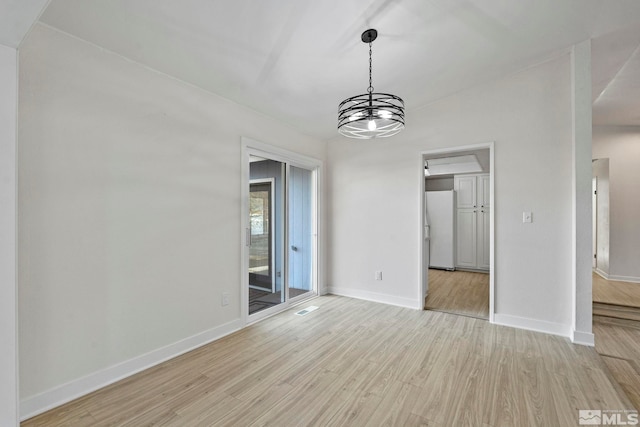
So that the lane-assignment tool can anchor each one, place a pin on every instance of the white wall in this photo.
(621, 145)
(129, 215)
(8, 201)
(375, 204)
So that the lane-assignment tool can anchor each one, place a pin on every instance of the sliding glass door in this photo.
(281, 236)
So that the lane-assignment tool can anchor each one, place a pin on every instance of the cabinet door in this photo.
(466, 239)
(483, 252)
(484, 193)
(465, 187)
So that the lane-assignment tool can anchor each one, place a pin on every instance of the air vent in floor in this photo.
(306, 311)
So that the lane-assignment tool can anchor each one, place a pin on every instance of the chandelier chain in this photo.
(370, 88)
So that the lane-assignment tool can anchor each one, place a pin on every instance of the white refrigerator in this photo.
(441, 230)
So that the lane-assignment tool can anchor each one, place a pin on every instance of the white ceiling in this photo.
(296, 60)
(16, 18)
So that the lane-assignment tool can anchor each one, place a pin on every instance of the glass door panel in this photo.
(260, 249)
(266, 234)
(301, 236)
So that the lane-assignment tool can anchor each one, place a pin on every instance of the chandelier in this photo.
(371, 115)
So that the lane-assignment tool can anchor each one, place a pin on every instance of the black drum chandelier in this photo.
(371, 115)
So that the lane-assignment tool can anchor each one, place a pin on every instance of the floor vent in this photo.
(306, 311)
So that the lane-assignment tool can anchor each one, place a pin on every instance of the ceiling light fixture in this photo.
(371, 115)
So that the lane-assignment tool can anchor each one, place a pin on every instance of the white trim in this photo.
(629, 279)
(376, 297)
(532, 324)
(273, 152)
(601, 273)
(9, 384)
(64, 393)
(583, 338)
(423, 286)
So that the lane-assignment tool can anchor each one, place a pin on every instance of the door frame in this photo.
(424, 267)
(594, 221)
(251, 147)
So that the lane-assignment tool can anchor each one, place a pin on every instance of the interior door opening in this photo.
(457, 231)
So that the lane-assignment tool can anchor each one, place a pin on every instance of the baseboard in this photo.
(376, 297)
(630, 279)
(532, 324)
(42, 402)
(583, 338)
(601, 273)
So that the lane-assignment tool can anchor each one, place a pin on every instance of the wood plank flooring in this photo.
(616, 326)
(615, 292)
(459, 292)
(619, 346)
(354, 363)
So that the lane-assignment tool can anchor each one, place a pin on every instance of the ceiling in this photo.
(295, 60)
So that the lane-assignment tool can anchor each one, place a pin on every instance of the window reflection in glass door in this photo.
(260, 249)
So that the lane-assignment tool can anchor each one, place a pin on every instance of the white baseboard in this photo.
(64, 393)
(630, 279)
(601, 273)
(583, 338)
(532, 324)
(376, 297)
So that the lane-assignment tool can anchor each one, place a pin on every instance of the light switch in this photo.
(527, 217)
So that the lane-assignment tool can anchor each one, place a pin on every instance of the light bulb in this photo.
(371, 125)
(384, 114)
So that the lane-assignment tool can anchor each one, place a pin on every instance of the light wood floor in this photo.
(354, 363)
(618, 340)
(619, 347)
(614, 292)
(458, 292)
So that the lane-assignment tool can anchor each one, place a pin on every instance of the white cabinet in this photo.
(473, 225)
(466, 245)
(466, 191)
(472, 191)
(484, 192)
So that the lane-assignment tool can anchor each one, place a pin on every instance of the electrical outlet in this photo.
(378, 275)
(225, 298)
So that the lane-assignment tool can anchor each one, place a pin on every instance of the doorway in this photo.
(280, 210)
(457, 261)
